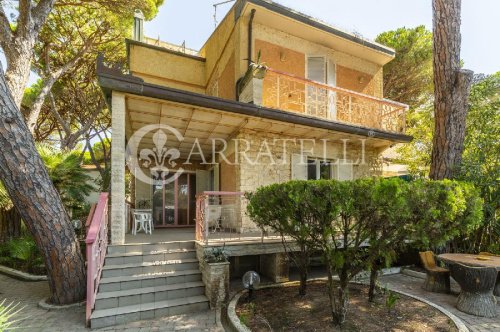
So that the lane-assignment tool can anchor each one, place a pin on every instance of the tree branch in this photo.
(5, 31)
(58, 116)
(41, 12)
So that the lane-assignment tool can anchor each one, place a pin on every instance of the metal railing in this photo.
(291, 93)
(96, 246)
(219, 218)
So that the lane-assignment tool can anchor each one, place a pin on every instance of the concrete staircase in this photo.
(144, 281)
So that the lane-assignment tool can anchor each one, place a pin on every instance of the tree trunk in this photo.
(342, 299)
(18, 69)
(35, 197)
(451, 90)
(375, 268)
(10, 224)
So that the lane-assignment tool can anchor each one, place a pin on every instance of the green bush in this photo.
(359, 224)
(285, 208)
(21, 253)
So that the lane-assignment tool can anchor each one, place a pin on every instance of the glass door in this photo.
(174, 202)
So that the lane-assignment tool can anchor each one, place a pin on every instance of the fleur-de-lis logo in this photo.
(159, 156)
(158, 160)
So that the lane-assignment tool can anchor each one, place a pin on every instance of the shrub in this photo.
(359, 224)
(216, 255)
(285, 208)
(21, 253)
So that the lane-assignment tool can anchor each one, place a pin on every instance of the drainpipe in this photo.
(250, 25)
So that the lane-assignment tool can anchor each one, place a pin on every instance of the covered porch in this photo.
(170, 147)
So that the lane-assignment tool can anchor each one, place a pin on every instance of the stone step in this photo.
(123, 298)
(115, 316)
(147, 247)
(110, 284)
(130, 269)
(149, 256)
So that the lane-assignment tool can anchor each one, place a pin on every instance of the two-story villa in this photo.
(273, 95)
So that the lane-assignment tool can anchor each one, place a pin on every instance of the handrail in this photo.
(96, 246)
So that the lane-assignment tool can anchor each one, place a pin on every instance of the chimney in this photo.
(138, 33)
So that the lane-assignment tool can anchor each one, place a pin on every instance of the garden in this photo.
(356, 226)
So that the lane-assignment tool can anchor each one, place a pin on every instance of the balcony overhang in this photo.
(193, 113)
(279, 17)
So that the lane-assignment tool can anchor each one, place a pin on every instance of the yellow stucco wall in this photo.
(167, 69)
(349, 68)
(225, 54)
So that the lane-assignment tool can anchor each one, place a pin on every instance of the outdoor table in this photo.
(476, 296)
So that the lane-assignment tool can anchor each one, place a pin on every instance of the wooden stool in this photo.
(438, 278)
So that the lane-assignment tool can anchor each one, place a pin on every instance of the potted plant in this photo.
(215, 271)
(250, 86)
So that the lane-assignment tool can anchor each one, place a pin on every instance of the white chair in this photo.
(214, 216)
(142, 221)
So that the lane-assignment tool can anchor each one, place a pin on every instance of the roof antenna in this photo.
(215, 9)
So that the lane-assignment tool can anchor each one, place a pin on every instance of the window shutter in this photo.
(316, 69)
(299, 169)
(332, 74)
(332, 95)
(344, 170)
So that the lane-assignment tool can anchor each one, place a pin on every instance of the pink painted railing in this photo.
(96, 243)
(220, 217)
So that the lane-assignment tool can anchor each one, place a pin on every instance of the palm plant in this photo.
(5, 202)
(7, 312)
(21, 252)
(65, 171)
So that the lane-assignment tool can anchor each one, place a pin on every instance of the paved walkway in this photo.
(36, 319)
(413, 286)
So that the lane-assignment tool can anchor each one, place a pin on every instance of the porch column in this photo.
(118, 219)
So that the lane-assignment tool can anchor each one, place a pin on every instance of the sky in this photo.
(192, 21)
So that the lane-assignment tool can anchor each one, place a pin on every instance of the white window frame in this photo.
(328, 62)
(335, 165)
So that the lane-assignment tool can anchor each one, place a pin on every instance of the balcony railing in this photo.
(290, 93)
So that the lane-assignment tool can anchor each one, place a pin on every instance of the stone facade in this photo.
(256, 168)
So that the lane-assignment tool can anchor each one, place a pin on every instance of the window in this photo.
(319, 169)
(316, 69)
(321, 101)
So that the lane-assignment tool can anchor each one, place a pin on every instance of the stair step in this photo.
(113, 316)
(148, 280)
(149, 256)
(149, 267)
(146, 247)
(123, 298)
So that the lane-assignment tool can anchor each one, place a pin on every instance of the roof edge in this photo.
(112, 79)
(129, 42)
(309, 20)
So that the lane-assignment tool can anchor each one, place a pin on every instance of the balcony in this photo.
(286, 92)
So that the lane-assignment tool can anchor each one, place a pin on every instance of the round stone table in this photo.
(478, 277)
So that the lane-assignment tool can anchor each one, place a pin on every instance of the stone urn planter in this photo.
(216, 280)
(215, 272)
(250, 87)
